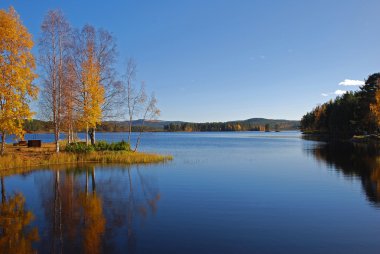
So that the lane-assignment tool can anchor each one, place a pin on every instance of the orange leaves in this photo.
(375, 107)
(17, 73)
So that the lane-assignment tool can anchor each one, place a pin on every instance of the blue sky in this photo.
(227, 60)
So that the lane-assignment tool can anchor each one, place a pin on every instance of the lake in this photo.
(230, 192)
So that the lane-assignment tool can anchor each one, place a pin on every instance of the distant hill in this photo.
(160, 125)
(285, 124)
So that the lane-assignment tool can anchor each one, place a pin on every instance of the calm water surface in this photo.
(244, 192)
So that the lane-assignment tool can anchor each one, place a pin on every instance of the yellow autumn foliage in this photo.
(92, 90)
(17, 66)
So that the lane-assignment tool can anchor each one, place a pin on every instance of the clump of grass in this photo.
(126, 157)
(12, 161)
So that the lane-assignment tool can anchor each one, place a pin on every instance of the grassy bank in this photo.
(24, 159)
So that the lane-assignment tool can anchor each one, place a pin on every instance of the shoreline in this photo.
(325, 137)
(161, 131)
(23, 159)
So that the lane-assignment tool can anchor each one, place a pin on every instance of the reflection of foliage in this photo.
(75, 217)
(375, 178)
(14, 220)
(130, 199)
(358, 160)
(77, 220)
(94, 223)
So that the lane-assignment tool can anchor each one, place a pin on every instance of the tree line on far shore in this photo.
(199, 127)
(39, 126)
(353, 113)
(254, 124)
(262, 125)
(78, 84)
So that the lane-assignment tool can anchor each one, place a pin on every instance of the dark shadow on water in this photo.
(361, 161)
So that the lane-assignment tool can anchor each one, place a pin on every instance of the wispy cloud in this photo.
(340, 92)
(351, 82)
(337, 92)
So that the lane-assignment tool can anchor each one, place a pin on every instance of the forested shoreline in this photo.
(268, 125)
(353, 113)
(254, 124)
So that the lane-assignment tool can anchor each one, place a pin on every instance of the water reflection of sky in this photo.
(223, 193)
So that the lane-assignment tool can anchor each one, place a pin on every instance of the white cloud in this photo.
(339, 92)
(351, 82)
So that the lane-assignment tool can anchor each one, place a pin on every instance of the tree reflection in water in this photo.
(130, 198)
(86, 215)
(93, 218)
(353, 160)
(16, 236)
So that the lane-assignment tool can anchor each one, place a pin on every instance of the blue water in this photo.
(235, 192)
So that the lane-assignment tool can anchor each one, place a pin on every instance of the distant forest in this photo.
(35, 126)
(253, 124)
(353, 113)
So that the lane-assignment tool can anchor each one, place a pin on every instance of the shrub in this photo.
(121, 146)
(79, 147)
(99, 146)
(117, 146)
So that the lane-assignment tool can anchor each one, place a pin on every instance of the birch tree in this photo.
(92, 92)
(134, 96)
(54, 48)
(150, 112)
(70, 93)
(17, 67)
(136, 102)
(95, 54)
